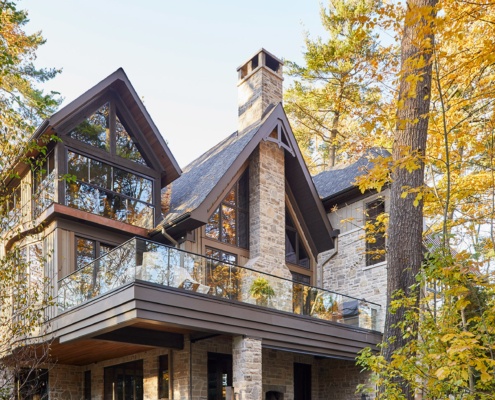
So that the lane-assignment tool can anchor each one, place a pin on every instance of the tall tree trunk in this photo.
(406, 219)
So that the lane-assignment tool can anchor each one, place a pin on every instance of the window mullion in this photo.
(112, 123)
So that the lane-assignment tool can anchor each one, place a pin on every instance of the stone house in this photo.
(230, 279)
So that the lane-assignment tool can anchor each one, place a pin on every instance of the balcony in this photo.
(142, 260)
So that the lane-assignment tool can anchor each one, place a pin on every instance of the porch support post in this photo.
(247, 368)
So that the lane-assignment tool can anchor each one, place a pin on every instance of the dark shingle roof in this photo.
(329, 183)
(200, 176)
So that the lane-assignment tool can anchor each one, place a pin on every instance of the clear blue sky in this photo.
(181, 56)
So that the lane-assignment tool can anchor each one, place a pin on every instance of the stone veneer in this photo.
(247, 368)
(346, 272)
(259, 89)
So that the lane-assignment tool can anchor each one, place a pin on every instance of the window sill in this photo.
(379, 264)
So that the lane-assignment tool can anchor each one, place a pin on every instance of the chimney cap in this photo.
(262, 50)
(262, 58)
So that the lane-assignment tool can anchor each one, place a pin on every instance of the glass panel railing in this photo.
(44, 194)
(160, 264)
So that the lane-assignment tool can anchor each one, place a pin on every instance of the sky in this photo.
(181, 56)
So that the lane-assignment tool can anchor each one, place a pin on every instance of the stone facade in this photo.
(343, 378)
(256, 371)
(344, 268)
(65, 382)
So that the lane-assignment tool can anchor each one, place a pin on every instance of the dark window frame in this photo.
(109, 190)
(292, 227)
(115, 116)
(163, 382)
(110, 374)
(30, 383)
(97, 253)
(373, 209)
(241, 224)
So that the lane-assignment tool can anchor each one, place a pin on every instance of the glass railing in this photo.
(140, 259)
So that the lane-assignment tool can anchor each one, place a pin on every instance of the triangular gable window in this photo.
(104, 127)
(95, 130)
(125, 146)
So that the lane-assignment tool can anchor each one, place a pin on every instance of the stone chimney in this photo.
(260, 85)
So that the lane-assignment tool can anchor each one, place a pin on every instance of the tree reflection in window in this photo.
(105, 190)
(125, 146)
(221, 273)
(103, 128)
(229, 223)
(95, 130)
(88, 250)
(295, 253)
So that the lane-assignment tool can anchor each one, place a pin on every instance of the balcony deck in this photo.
(142, 284)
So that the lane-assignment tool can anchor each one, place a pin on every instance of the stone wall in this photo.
(341, 379)
(346, 272)
(65, 382)
(255, 94)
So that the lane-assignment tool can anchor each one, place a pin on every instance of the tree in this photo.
(336, 99)
(22, 286)
(447, 339)
(405, 234)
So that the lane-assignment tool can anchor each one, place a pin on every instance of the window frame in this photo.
(118, 111)
(381, 242)
(300, 239)
(110, 191)
(96, 251)
(238, 211)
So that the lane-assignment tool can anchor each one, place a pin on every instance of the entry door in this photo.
(219, 375)
(124, 381)
(302, 381)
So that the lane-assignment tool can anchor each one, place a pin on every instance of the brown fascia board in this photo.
(347, 196)
(119, 82)
(320, 227)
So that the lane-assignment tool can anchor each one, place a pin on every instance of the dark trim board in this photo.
(179, 310)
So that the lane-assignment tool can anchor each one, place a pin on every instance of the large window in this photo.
(124, 381)
(220, 275)
(104, 130)
(88, 250)
(219, 375)
(375, 232)
(163, 377)
(295, 252)
(102, 189)
(32, 384)
(229, 223)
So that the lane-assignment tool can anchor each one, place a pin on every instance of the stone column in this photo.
(247, 368)
(267, 209)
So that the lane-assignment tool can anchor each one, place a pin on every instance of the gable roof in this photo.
(119, 83)
(200, 186)
(337, 181)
